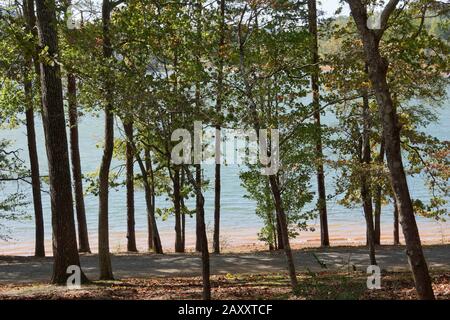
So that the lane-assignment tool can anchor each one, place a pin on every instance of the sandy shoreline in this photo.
(245, 239)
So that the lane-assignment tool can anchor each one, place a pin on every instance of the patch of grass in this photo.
(336, 286)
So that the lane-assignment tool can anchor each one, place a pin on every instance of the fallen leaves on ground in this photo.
(321, 285)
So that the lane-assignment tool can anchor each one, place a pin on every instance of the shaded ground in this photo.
(390, 258)
(321, 285)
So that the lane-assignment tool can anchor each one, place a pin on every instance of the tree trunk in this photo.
(202, 233)
(217, 184)
(103, 224)
(183, 215)
(279, 235)
(378, 67)
(131, 234)
(274, 231)
(177, 205)
(83, 238)
(39, 249)
(65, 251)
(216, 237)
(396, 228)
(205, 252)
(322, 198)
(366, 196)
(273, 179)
(377, 200)
(283, 228)
(154, 241)
(198, 227)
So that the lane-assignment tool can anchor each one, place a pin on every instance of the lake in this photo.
(239, 223)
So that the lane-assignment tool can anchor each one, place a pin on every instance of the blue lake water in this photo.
(239, 222)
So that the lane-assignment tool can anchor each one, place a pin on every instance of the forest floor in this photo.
(323, 285)
(332, 273)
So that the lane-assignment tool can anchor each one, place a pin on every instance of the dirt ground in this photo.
(312, 285)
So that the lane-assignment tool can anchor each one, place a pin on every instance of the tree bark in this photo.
(279, 235)
(366, 196)
(377, 199)
(396, 226)
(177, 205)
(203, 238)
(83, 238)
(183, 215)
(378, 67)
(217, 183)
(154, 241)
(103, 223)
(39, 248)
(322, 198)
(65, 251)
(131, 234)
(198, 227)
(283, 228)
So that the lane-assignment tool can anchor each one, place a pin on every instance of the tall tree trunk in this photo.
(39, 249)
(154, 241)
(198, 227)
(83, 238)
(217, 185)
(396, 227)
(103, 223)
(273, 179)
(131, 234)
(274, 232)
(377, 199)
(198, 170)
(183, 215)
(283, 228)
(203, 237)
(270, 218)
(322, 198)
(378, 67)
(65, 251)
(279, 235)
(177, 205)
(366, 196)
(205, 252)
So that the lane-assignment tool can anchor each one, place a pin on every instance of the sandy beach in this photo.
(245, 239)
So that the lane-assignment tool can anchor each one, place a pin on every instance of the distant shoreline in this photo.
(245, 239)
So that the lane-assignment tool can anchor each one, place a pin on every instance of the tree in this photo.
(103, 225)
(219, 103)
(64, 238)
(279, 38)
(378, 67)
(131, 234)
(200, 207)
(39, 251)
(83, 238)
(377, 200)
(322, 197)
(365, 159)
